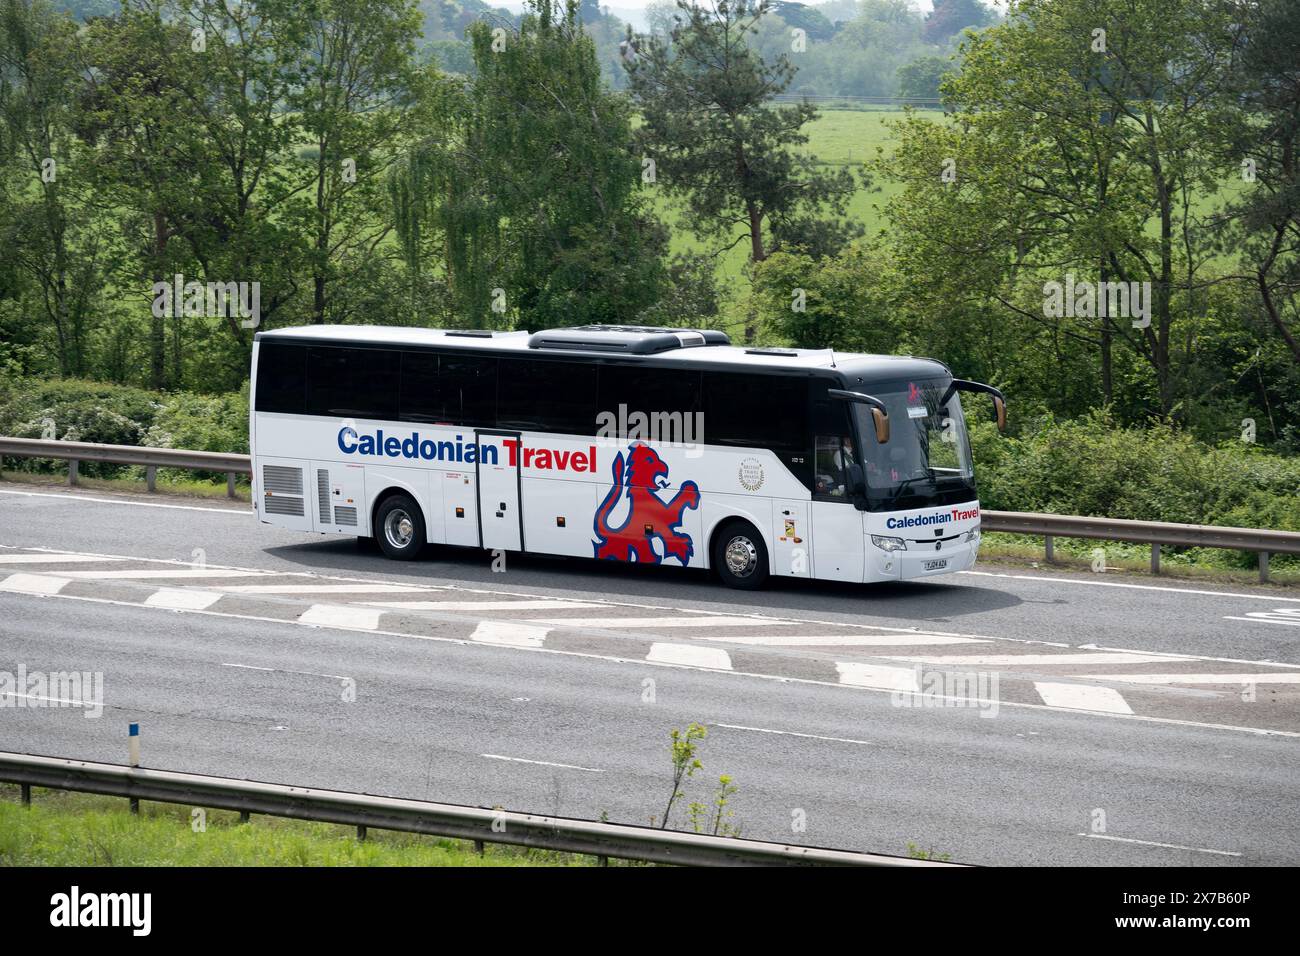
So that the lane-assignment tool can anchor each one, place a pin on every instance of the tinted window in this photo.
(547, 396)
(765, 411)
(468, 386)
(421, 398)
(644, 388)
(352, 383)
(281, 378)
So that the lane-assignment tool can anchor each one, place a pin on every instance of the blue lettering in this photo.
(347, 434)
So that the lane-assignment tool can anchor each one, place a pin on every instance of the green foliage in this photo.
(1092, 466)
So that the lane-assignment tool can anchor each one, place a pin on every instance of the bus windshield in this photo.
(927, 460)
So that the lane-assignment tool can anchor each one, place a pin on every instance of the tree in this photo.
(719, 143)
(1263, 142)
(920, 78)
(950, 17)
(525, 177)
(351, 100)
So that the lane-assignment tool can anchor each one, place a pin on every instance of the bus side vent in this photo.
(345, 515)
(282, 505)
(282, 491)
(323, 494)
(282, 480)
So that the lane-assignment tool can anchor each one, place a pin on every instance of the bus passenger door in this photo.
(501, 522)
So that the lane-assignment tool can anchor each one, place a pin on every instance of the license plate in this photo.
(936, 565)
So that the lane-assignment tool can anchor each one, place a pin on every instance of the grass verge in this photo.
(76, 829)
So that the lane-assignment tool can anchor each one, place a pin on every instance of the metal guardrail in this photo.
(1155, 533)
(151, 458)
(482, 825)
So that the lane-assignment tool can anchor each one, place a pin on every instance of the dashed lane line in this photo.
(1104, 700)
(690, 655)
(53, 558)
(341, 615)
(510, 634)
(1274, 678)
(612, 623)
(542, 604)
(541, 763)
(793, 733)
(183, 599)
(1035, 660)
(1123, 584)
(879, 676)
(34, 584)
(1166, 846)
(246, 513)
(910, 639)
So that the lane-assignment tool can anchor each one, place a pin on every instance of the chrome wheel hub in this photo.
(398, 528)
(741, 556)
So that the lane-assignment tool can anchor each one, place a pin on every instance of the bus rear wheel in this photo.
(740, 556)
(399, 528)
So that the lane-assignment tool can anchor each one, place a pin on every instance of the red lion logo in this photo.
(648, 516)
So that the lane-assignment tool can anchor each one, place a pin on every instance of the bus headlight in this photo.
(886, 543)
(972, 534)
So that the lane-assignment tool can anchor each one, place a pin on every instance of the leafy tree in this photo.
(950, 17)
(920, 78)
(525, 177)
(720, 144)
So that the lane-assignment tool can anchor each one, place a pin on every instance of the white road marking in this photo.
(272, 622)
(1269, 617)
(1167, 846)
(878, 676)
(1135, 587)
(52, 558)
(1274, 678)
(691, 655)
(1037, 660)
(1105, 700)
(341, 615)
(792, 733)
(245, 512)
(646, 622)
(280, 670)
(323, 589)
(50, 700)
(510, 634)
(182, 599)
(34, 583)
(545, 604)
(151, 573)
(541, 763)
(845, 640)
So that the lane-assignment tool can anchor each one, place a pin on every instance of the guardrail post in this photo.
(72, 471)
(230, 484)
(26, 790)
(361, 833)
(1047, 547)
(1155, 559)
(243, 816)
(151, 477)
(1263, 567)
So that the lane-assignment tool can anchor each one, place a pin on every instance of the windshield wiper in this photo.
(905, 484)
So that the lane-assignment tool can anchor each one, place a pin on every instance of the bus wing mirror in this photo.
(999, 401)
(879, 413)
(882, 425)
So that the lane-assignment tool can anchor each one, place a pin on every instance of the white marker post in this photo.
(133, 758)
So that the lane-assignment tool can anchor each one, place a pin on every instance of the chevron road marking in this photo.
(1104, 700)
(341, 615)
(34, 583)
(510, 634)
(182, 599)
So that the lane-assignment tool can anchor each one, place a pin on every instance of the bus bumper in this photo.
(912, 564)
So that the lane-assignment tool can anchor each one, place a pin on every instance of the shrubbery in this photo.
(74, 410)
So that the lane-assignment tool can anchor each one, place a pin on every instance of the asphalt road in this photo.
(254, 652)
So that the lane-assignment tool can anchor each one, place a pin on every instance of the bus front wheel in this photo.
(399, 528)
(740, 556)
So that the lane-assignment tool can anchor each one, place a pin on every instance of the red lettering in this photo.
(591, 458)
(543, 458)
(561, 459)
(579, 461)
(512, 451)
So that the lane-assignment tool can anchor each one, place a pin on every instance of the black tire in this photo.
(399, 528)
(740, 556)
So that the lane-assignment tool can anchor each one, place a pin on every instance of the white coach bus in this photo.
(621, 443)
